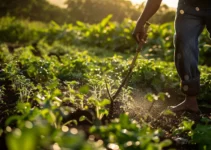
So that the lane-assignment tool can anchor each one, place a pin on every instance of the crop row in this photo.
(106, 34)
(46, 99)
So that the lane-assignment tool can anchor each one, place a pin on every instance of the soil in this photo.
(140, 109)
(143, 110)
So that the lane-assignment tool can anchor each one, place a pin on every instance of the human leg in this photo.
(208, 21)
(188, 27)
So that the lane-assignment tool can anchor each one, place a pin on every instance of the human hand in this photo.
(140, 33)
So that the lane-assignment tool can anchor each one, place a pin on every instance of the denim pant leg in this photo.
(208, 20)
(188, 27)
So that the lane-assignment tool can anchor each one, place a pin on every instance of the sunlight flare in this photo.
(170, 3)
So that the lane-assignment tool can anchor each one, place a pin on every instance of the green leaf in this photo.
(21, 140)
(161, 96)
(165, 143)
(84, 89)
(149, 97)
(105, 21)
(80, 24)
(12, 119)
(104, 102)
(82, 118)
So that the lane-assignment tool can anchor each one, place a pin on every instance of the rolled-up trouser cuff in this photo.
(191, 87)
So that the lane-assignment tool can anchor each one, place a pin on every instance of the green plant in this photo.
(45, 101)
(201, 135)
(125, 134)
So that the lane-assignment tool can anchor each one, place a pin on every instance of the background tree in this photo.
(89, 11)
(163, 15)
(93, 11)
(39, 10)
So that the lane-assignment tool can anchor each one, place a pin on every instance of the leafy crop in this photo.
(53, 96)
(16, 31)
(105, 34)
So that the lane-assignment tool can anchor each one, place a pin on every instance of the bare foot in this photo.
(189, 104)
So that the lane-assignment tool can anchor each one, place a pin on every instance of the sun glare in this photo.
(170, 3)
(136, 1)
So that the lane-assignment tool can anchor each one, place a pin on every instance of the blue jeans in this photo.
(189, 23)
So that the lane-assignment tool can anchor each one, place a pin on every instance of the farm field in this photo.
(53, 92)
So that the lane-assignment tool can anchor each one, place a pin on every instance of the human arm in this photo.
(150, 9)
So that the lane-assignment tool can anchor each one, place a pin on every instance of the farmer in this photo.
(191, 18)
